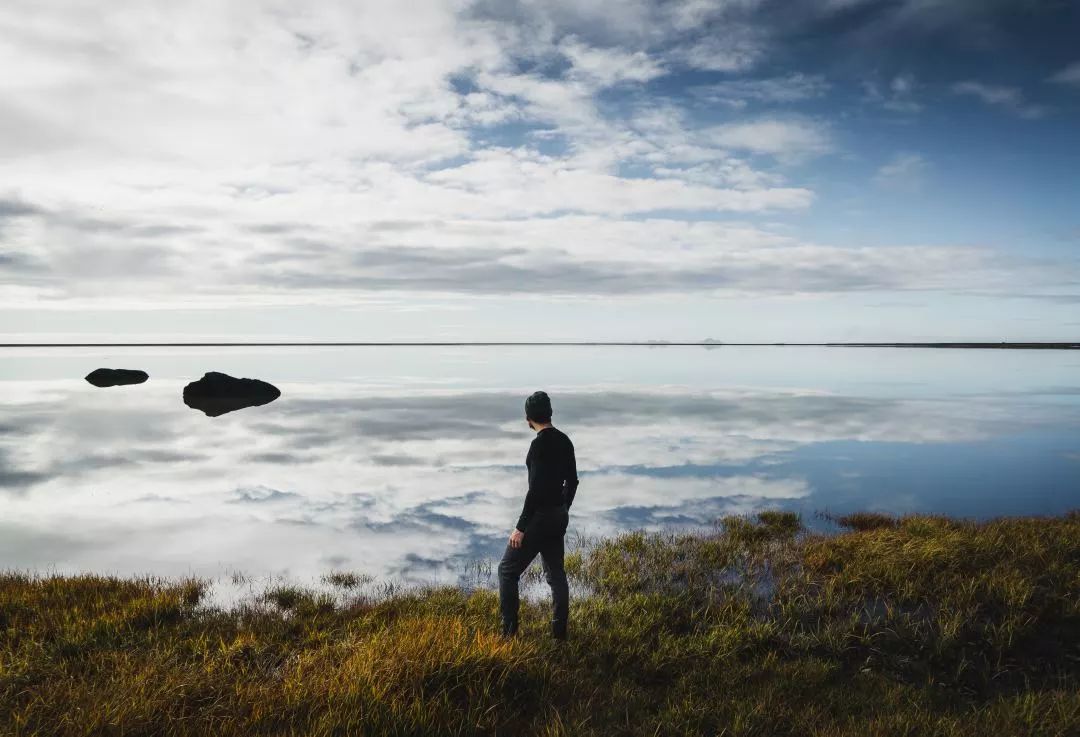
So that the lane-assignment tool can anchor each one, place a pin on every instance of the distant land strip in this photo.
(647, 344)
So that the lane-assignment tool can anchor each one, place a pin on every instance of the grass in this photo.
(907, 626)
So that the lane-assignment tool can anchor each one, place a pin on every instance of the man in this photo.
(542, 524)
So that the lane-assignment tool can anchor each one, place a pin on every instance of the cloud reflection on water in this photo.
(417, 485)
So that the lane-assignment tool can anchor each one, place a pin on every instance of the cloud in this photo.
(262, 495)
(710, 34)
(20, 265)
(186, 151)
(782, 138)
(1070, 75)
(898, 96)
(12, 212)
(13, 208)
(281, 458)
(15, 480)
(1008, 98)
(738, 93)
(805, 269)
(606, 67)
(515, 182)
(262, 155)
(397, 459)
(905, 171)
(584, 254)
(731, 53)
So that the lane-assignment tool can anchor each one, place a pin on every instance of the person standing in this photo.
(541, 527)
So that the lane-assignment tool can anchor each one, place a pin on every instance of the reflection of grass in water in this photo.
(916, 625)
(348, 579)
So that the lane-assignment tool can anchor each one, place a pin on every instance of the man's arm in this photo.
(529, 507)
(571, 476)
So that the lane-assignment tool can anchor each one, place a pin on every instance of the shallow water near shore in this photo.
(407, 463)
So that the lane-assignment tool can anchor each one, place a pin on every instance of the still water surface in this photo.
(408, 462)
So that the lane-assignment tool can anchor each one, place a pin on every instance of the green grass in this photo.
(908, 626)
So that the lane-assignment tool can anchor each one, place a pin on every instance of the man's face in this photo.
(529, 422)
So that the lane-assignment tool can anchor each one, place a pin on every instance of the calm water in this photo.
(407, 462)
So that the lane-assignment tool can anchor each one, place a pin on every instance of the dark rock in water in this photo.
(217, 393)
(116, 377)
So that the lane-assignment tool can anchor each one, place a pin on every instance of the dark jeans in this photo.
(543, 535)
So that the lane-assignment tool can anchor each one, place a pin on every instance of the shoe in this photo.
(558, 629)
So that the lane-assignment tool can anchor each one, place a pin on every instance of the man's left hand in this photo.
(516, 537)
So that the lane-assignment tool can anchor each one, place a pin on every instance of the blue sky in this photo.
(463, 170)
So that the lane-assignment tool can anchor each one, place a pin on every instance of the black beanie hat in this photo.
(538, 407)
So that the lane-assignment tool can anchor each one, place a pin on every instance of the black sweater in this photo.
(551, 462)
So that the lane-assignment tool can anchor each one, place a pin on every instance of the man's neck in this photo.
(545, 427)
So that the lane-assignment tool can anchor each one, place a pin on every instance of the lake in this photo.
(408, 462)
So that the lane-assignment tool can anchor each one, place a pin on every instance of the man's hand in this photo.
(516, 537)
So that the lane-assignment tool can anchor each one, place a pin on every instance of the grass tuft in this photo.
(780, 523)
(865, 521)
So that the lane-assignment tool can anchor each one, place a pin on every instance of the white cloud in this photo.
(721, 54)
(515, 182)
(905, 171)
(237, 84)
(606, 67)
(268, 153)
(326, 259)
(1009, 98)
(176, 126)
(774, 136)
(1069, 75)
(739, 93)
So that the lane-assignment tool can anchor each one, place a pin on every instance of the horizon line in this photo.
(1045, 345)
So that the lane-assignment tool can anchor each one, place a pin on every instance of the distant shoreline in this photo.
(645, 344)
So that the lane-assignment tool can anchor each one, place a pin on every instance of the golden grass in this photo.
(922, 625)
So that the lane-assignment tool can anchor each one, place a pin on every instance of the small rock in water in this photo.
(217, 393)
(116, 377)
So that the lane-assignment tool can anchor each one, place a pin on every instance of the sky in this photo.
(517, 170)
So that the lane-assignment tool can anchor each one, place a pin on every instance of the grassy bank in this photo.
(921, 625)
